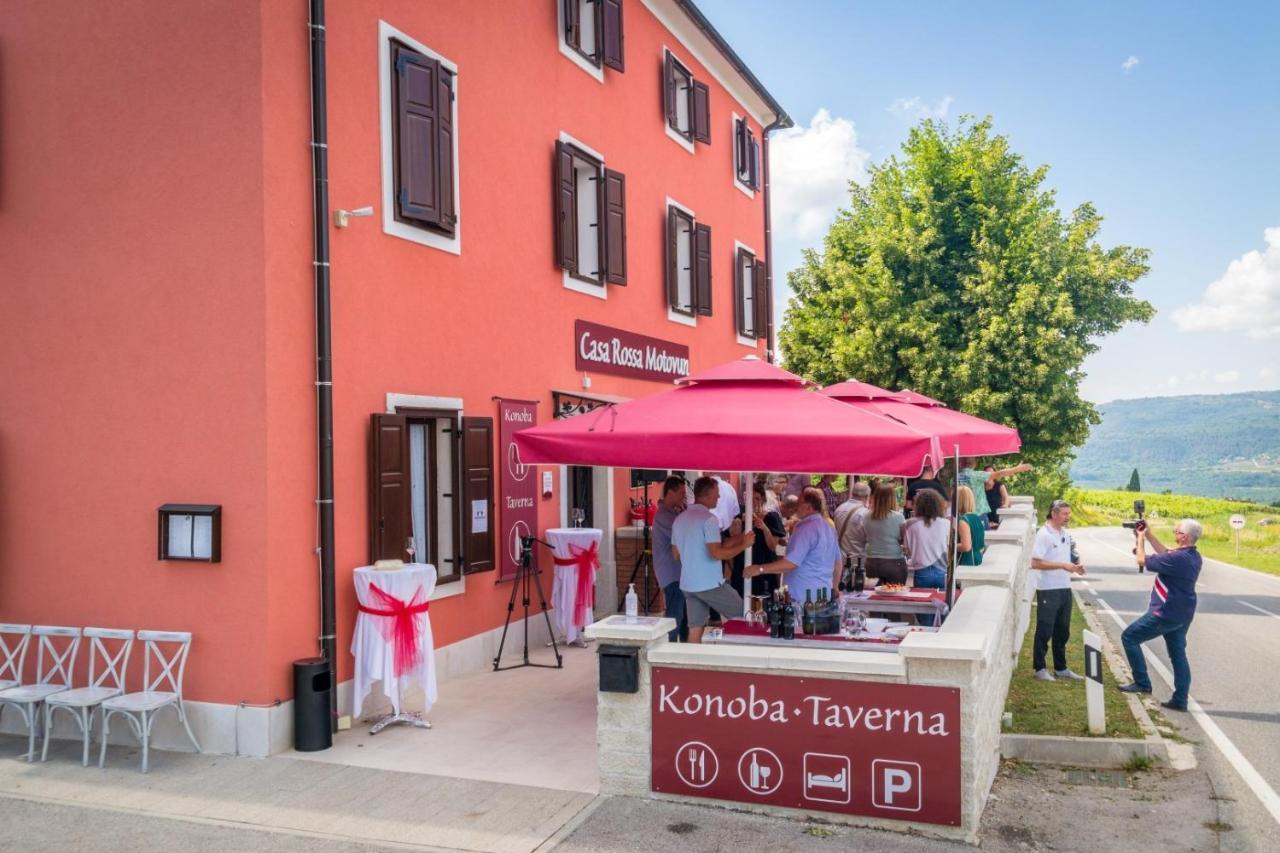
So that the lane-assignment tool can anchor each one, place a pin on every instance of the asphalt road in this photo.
(1234, 650)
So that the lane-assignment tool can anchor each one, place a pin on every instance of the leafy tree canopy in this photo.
(953, 273)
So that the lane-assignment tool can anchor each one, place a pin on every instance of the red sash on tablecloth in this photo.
(587, 560)
(401, 627)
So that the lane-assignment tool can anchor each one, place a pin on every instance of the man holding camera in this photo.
(1054, 560)
(1173, 605)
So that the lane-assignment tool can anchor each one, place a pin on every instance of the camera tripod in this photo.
(643, 563)
(521, 582)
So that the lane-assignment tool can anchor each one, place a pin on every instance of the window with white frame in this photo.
(591, 34)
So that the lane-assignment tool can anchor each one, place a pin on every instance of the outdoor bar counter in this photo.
(905, 739)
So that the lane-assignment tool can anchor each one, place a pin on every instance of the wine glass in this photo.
(578, 516)
(410, 548)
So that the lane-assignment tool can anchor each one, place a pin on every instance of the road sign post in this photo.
(1237, 524)
(1093, 683)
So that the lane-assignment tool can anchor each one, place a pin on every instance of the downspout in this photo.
(779, 121)
(324, 351)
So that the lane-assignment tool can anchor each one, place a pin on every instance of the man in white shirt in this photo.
(1053, 564)
(727, 507)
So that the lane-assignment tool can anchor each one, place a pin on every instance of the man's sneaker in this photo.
(1173, 706)
(1134, 688)
(1067, 675)
(1044, 675)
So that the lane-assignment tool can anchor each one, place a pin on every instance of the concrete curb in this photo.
(1102, 752)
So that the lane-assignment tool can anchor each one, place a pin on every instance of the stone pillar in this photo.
(624, 726)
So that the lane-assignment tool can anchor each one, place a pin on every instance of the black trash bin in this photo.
(312, 730)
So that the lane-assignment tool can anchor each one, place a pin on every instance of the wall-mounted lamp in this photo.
(340, 217)
(191, 532)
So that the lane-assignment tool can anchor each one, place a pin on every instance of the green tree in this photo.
(1135, 485)
(954, 273)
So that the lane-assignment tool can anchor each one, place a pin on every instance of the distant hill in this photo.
(1214, 445)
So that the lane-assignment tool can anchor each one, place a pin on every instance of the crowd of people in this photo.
(803, 533)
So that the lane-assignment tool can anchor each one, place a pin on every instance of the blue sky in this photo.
(1165, 115)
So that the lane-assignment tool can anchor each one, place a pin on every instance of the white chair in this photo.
(14, 640)
(81, 702)
(141, 709)
(50, 679)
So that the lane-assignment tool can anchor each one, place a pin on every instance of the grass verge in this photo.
(1058, 707)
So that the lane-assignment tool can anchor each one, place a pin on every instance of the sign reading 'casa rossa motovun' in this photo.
(857, 747)
(602, 349)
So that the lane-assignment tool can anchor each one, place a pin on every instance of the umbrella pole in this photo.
(955, 531)
(748, 525)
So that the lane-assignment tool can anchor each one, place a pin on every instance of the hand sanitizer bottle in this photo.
(633, 603)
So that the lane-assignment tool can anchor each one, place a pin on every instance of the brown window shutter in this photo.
(702, 269)
(615, 227)
(738, 261)
(673, 274)
(566, 212)
(390, 521)
(701, 112)
(417, 119)
(477, 485)
(753, 161)
(611, 35)
(763, 305)
(444, 150)
(669, 90)
(572, 23)
(740, 150)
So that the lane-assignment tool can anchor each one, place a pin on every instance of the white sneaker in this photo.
(1068, 675)
(1044, 675)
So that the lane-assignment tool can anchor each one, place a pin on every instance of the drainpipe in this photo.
(779, 121)
(324, 351)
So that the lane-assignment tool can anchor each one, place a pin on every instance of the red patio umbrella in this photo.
(746, 415)
(852, 389)
(906, 395)
(973, 435)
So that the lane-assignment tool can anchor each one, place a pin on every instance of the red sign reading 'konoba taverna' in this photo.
(602, 349)
(856, 747)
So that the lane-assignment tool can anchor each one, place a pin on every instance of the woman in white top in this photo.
(926, 539)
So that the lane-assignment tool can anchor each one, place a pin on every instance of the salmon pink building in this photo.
(532, 208)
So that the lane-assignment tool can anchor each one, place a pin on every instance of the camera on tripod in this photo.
(1136, 524)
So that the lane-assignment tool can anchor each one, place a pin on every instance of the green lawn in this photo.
(1057, 707)
(1259, 543)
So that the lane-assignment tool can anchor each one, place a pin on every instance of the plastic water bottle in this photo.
(633, 603)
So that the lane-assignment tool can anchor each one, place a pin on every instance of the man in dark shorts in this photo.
(695, 536)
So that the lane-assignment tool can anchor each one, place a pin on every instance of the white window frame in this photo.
(597, 72)
(386, 121)
(745, 341)
(672, 133)
(449, 404)
(690, 320)
(733, 136)
(577, 285)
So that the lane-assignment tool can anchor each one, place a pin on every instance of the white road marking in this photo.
(1261, 610)
(1264, 792)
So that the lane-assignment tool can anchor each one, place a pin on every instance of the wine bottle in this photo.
(809, 618)
(859, 577)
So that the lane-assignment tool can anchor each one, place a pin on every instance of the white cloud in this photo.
(1226, 377)
(916, 109)
(1265, 373)
(809, 171)
(1129, 64)
(1246, 298)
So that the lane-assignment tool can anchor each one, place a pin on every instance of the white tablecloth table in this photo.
(374, 642)
(576, 551)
